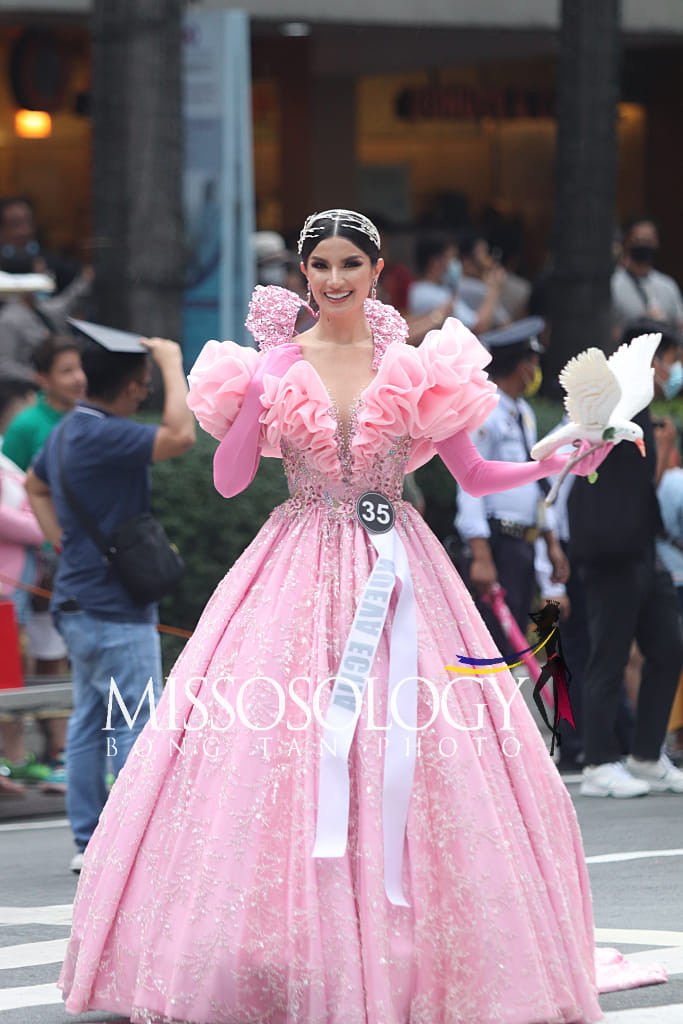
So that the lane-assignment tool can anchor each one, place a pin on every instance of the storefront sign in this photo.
(467, 103)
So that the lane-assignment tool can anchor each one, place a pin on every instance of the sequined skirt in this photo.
(200, 900)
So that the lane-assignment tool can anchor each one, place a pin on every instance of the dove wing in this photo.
(632, 366)
(592, 389)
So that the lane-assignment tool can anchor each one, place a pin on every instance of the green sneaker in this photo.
(29, 770)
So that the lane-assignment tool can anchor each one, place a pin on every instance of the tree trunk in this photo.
(585, 178)
(137, 164)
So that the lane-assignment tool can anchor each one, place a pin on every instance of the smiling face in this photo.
(340, 275)
(65, 382)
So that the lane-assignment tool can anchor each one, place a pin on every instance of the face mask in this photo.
(452, 275)
(644, 253)
(535, 383)
(674, 383)
(272, 273)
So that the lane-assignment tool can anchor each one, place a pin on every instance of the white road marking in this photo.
(32, 954)
(670, 959)
(18, 826)
(29, 995)
(637, 937)
(59, 914)
(672, 1014)
(611, 858)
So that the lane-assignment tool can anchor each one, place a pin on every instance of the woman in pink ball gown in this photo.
(322, 825)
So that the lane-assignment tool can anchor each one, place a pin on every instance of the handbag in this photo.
(139, 549)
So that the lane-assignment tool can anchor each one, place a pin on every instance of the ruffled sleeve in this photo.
(218, 381)
(429, 393)
(458, 393)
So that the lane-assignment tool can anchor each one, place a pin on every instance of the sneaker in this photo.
(30, 770)
(77, 863)
(56, 780)
(673, 751)
(611, 779)
(661, 775)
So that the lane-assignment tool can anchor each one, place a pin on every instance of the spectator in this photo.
(516, 291)
(613, 525)
(28, 319)
(435, 295)
(272, 257)
(19, 242)
(670, 550)
(482, 280)
(59, 374)
(638, 290)
(105, 458)
(434, 291)
(501, 529)
(60, 377)
(20, 535)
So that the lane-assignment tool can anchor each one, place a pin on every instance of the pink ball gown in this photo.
(200, 898)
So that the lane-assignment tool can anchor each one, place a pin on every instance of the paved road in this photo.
(635, 856)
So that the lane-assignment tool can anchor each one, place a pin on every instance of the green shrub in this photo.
(210, 531)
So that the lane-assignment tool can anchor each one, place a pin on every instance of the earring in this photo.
(373, 293)
(308, 294)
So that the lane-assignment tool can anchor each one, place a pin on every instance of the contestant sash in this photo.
(345, 707)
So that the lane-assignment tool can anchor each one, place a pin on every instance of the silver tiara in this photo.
(345, 218)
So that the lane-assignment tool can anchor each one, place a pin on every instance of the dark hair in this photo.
(633, 221)
(14, 201)
(328, 227)
(44, 356)
(11, 388)
(426, 250)
(108, 373)
(467, 241)
(505, 361)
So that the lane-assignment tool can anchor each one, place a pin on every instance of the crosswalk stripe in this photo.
(613, 858)
(29, 995)
(34, 826)
(672, 1014)
(32, 954)
(667, 951)
(670, 959)
(637, 937)
(59, 914)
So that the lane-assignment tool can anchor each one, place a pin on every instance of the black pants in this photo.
(627, 601)
(514, 561)
(576, 647)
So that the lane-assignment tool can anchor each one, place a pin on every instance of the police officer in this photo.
(501, 529)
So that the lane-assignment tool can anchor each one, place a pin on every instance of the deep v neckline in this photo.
(344, 423)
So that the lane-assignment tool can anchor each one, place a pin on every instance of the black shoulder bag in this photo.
(139, 549)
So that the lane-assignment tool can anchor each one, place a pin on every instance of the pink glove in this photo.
(237, 456)
(478, 476)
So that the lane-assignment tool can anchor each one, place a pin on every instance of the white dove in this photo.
(601, 397)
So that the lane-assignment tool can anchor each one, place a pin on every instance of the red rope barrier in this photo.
(41, 592)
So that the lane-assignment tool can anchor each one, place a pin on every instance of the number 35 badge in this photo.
(375, 512)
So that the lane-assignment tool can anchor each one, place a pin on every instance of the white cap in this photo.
(268, 246)
(20, 284)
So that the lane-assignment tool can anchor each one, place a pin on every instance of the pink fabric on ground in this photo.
(614, 972)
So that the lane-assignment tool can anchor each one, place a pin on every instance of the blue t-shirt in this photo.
(106, 465)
